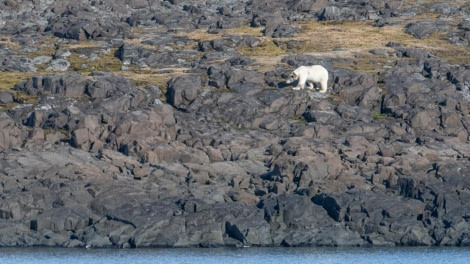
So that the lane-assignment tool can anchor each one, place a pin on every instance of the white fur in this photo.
(315, 74)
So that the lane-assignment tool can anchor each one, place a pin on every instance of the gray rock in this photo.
(331, 13)
(11, 134)
(284, 31)
(67, 84)
(183, 90)
(237, 78)
(59, 65)
(6, 97)
(80, 28)
(42, 59)
(423, 29)
(217, 76)
(142, 57)
(271, 22)
(465, 25)
(379, 52)
(361, 89)
(17, 64)
(61, 53)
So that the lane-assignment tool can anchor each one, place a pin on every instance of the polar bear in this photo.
(309, 74)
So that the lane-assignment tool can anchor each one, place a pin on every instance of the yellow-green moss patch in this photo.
(9, 79)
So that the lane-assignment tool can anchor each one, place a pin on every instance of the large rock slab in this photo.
(225, 153)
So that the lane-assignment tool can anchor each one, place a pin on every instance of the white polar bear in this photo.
(309, 74)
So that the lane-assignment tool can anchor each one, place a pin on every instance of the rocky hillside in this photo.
(150, 123)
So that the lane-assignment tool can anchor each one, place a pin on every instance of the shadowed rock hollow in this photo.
(214, 149)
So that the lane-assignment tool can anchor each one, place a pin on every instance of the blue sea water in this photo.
(237, 255)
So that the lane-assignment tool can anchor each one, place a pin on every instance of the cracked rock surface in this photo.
(222, 152)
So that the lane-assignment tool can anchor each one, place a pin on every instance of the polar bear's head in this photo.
(292, 77)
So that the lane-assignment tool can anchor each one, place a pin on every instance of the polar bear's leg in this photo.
(323, 86)
(301, 82)
(310, 85)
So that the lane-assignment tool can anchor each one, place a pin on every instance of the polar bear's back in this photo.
(315, 73)
(317, 68)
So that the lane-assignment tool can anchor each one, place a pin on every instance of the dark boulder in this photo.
(183, 90)
(424, 29)
(81, 28)
(330, 13)
(358, 89)
(284, 31)
(67, 84)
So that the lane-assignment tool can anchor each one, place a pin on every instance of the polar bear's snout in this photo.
(292, 77)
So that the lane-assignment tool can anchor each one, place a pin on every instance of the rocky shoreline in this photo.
(168, 124)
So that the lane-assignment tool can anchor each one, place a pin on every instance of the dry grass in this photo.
(7, 43)
(105, 62)
(24, 98)
(350, 35)
(438, 45)
(9, 79)
(150, 77)
(203, 35)
(199, 35)
(143, 79)
(420, 2)
(245, 30)
(84, 44)
(353, 39)
(339, 36)
(138, 42)
(266, 48)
